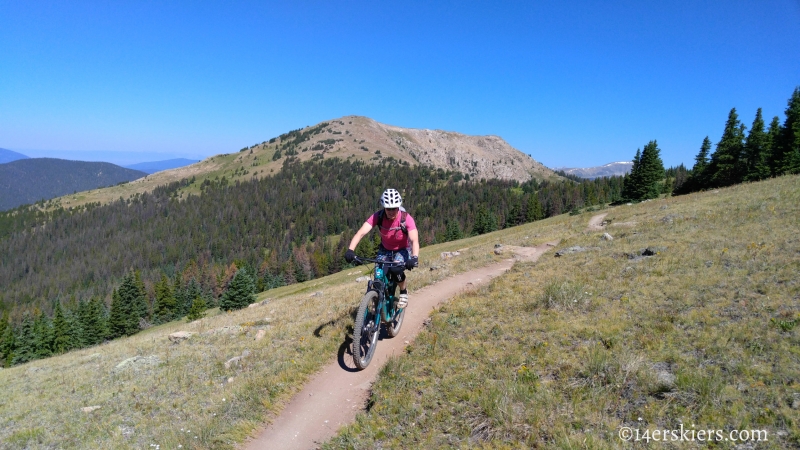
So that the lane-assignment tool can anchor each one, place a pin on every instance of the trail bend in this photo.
(334, 396)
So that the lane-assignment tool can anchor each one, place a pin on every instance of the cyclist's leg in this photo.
(402, 256)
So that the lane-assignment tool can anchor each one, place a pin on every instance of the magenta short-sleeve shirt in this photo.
(392, 237)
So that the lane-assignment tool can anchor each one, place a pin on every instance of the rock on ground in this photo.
(179, 336)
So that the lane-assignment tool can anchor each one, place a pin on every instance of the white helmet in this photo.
(391, 199)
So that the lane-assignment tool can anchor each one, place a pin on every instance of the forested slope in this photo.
(288, 227)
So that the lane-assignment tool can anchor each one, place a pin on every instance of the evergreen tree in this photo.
(141, 308)
(165, 306)
(63, 338)
(6, 341)
(453, 231)
(25, 342)
(43, 335)
(773, 144)
(118, 317)
(197, 311)
(756, 148)
(191, 292)
(701, 160)
(7, 344)
(647, 173)
(789, 140)
(485, 221)
(515, 214)
(652, 171)
(94, 321)
(182, 302)
(727, 164)
(534, 211)
(128, 307)
(632, 184)
(240, 293)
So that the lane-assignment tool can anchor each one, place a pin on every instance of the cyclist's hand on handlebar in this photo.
(412, 262)
(349, 255)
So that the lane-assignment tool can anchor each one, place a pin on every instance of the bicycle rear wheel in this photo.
(366, 330)
(393, 328)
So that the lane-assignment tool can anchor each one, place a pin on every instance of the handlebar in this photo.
(360, 260)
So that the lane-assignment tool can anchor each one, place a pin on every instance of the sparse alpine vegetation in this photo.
(564, 352)
(557, 354)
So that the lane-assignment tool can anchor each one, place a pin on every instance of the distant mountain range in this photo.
(158, 166)
(29, 180)
(608, 170)
(6, 156)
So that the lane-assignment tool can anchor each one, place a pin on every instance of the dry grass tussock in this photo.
(563, 352)
(183, 395)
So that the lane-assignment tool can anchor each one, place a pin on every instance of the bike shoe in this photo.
(402, 300)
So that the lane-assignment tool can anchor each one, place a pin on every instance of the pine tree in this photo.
(773, 144)
(453, 231)
(182, 302)
(727, 164)
(240, 293)
(515, 215)
(191, 292)
(141, 308)
(789, 140)
(632, 184)
(701, 160)
(94, 321)
(7, 344)
(25, 342)
(534, 210)
(652, 171)
(128, 307)
(118, 317)
(43, 332)
(165, 306)
(647, 173)
(756, 148)
(197, 311)
(485, 221)
(6, 340)
(63, 339)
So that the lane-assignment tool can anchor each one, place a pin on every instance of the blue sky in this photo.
(573, 83)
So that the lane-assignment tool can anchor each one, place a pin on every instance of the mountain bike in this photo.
(379, 305)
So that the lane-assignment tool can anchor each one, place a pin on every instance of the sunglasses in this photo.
(391, 209)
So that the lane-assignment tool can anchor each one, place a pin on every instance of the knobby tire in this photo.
(366, 340)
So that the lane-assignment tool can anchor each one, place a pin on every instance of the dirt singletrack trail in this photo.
(334, 396)
(596, 222)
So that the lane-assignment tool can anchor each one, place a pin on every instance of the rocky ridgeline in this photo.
(476, 156)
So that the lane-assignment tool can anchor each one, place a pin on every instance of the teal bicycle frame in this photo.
(385, 288)
(377, 307)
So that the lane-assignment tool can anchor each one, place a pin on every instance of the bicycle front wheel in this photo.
(366, 330)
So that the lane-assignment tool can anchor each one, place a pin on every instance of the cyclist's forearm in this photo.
(413, 236)
(359, 235)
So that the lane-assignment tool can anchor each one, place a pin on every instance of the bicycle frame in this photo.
(385, 287)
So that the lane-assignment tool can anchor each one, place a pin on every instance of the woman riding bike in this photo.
(398, 235)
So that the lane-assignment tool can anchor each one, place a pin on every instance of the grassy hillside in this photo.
(179, 391)
(564, 352)
(559, 353)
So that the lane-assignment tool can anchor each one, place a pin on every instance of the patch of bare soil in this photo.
(335, 395)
